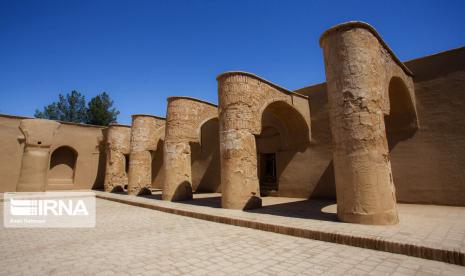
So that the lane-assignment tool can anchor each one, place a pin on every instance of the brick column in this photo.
(240, 186)
(178, 178)
(356, 83)
(144, 138)
(118, 137)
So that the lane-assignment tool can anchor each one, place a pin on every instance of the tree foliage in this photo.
(72, 107)
(69, 108)
(100, 110)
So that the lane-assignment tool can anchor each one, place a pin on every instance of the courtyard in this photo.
(130, 240)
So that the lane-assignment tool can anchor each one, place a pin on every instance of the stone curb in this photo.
(436, 254)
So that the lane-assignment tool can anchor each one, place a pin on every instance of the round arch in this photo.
(401, 122)
(62, 166)
(288, 121)
(284, 131)
(206, 123)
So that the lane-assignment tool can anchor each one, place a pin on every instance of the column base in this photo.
(182, 192)
(386, 218)
(115, 189)
(139, 191)
(242, 204)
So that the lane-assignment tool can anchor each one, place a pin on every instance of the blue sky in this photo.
(141, 52)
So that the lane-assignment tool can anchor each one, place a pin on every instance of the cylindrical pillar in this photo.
(239, 179)
(240, 186)
(178, 178)
(38, 135)
(355, 73)
(180, 130)
(117, 150)
(184, 118)
(144, 138)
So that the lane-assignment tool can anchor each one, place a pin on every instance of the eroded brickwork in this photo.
(185, 117)
(146, 132)
(358, 70)
(242, 98)
(117, 150)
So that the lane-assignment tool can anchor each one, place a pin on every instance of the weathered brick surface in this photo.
(146, 133)
(243, 99)
(359, 72)
(185, 117)
(117, 152)
(430, 166)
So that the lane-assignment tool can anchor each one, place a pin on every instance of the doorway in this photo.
(268, 176)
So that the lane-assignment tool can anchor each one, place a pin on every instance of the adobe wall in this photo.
(84, 139)
(430, 166)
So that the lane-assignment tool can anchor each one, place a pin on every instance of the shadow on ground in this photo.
(306, 209)
(152, 196)
(214, 201)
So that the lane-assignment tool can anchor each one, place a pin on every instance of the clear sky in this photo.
(141, 52)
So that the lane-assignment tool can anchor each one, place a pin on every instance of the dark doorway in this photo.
(268, 179)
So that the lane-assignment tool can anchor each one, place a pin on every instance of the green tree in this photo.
(100, 110)
(69, 108)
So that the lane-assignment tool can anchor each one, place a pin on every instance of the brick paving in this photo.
(427, 231)
(130, 240)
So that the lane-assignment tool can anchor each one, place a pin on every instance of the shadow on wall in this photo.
(326, 186)
(401, 122)
(284, 133)
(101, 148)
(157, 166)
(206, 177)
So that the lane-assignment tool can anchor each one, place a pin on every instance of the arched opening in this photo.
(205, 158)
(126, 168)
(284, 133)
(157, 166)
(401, 123)
(62, 166)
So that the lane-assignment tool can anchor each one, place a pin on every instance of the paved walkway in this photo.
(130, 240)
(427, 231)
